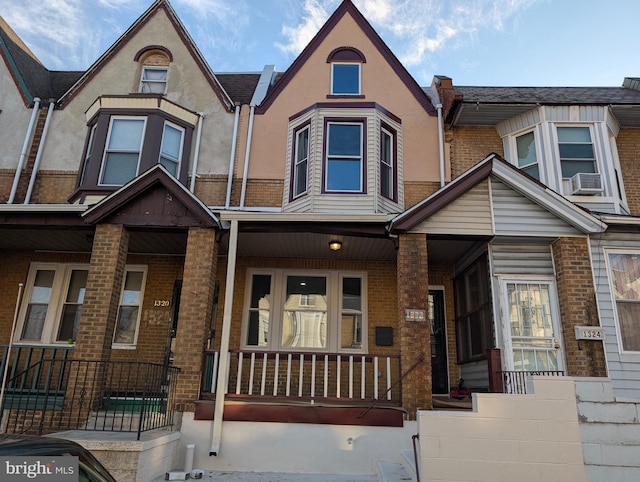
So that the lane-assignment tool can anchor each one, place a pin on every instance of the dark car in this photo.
(14, 447)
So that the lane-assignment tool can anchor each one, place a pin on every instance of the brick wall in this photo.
(414, 192)
(628, 143)
(469, 145)
(413, 293)
(576, 297)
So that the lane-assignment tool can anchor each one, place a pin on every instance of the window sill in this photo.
(345, 96)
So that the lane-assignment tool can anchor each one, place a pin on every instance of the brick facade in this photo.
(470, 145)
(413, 293)
(628, 143)
(196, 305)
(576, 298)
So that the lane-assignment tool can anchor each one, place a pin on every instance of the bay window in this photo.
(301, 162)
(318, 311)
(387, 163)
(576, 150)
(122, 154)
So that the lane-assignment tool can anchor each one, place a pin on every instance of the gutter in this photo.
(36, 164)
(232, 157)
(196, 154)
(25, 147)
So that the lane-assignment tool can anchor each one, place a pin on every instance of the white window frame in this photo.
(59, 290)
(565, 186)
(296, 162)
(342, 64)
(334, 309)
(614, 302)
(513, 147)
(360, 157)
(388, 165)
(145, 82)
(107, 151)
(178, 161)
(129, 269)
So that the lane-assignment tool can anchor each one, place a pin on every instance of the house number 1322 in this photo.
(161, 303)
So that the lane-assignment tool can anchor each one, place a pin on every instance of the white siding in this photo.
(624, 369)
(515, 124)
(475, 375)
(521, 259)
(516, 215)
(470, 215)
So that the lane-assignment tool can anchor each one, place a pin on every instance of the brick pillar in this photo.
(413, 293)
(577, 302)
(196, 303)
(102, 296)
(97, 322)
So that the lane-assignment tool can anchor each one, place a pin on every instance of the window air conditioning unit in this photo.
(586, 183)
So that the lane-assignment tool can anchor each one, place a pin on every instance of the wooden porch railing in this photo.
(306, 376)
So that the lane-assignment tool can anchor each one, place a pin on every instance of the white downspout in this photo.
(441, 143)
(245, 172)
(36, 164)
(25, 146)
(232, 158)
(196, 154)
(218, 413)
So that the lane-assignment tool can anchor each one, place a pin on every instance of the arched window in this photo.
(346, 71)
(154, 69)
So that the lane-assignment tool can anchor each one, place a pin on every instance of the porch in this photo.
(45, 390)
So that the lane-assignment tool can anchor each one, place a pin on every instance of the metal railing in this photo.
(515, 382)
(52, 395)
(307, 376)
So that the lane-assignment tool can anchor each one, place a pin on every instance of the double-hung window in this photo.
(301, 162)
(576, 151)
(387, 151)
(171, 147)
(625, 284)
(344, 157)
(345, 78)
(128, 320)
(122, 153)
(319, 311)
(527, 155)
(154, 80)
(53, 303)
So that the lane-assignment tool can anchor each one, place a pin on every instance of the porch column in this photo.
(102, 295)
(577, 300)
(196, 307)
(413, 294)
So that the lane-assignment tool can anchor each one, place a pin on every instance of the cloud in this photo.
(315, 14)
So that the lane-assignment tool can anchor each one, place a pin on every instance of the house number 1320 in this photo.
(161, 303)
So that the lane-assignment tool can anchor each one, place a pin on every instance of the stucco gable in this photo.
(347, 13)
(159, 8)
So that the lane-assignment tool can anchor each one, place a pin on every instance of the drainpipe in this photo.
(36, 164)
(232, 158)
(441, 143)
(25, 146)
(245, 173)
(223, 368)
(196, 154)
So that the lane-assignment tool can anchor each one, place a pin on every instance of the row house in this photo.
(313, 266)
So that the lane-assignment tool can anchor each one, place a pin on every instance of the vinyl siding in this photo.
(475, 375)
(516, 215)
(624, 368)
(468, 215)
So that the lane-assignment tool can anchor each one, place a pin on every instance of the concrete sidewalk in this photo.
(223, 476)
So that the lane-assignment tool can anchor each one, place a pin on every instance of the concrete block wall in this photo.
(504, 438)
(610, 431)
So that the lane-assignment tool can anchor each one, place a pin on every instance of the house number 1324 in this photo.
(161, 303)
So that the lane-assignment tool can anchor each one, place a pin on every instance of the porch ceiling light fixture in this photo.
(335, 245)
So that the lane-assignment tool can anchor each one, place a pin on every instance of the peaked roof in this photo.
(144, 185)
(157, 6)
(31, 77)
(347, 7)
(494, 165)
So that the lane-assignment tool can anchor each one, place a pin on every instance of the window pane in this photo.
(386, 164)
(132, 288)
(526, 147)
(346, 79)
(629, 319)
(126, 325)
(38, 305)
(305, 312)
(301, 159)
(343, 175)
(345, 139)
(259, 311)
(120, 168)
(154, 80)
(171, 140)
(126, 134)
(576, 151)
(72, 309)
(351, 322)
(574, 134)
(571, 168)
(302, 145)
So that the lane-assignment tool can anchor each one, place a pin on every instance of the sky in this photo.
(475, 42)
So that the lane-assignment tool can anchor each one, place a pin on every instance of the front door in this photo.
(532, 325)
(439, 375)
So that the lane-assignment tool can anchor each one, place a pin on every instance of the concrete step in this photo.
(392, 472)
(409, 463)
